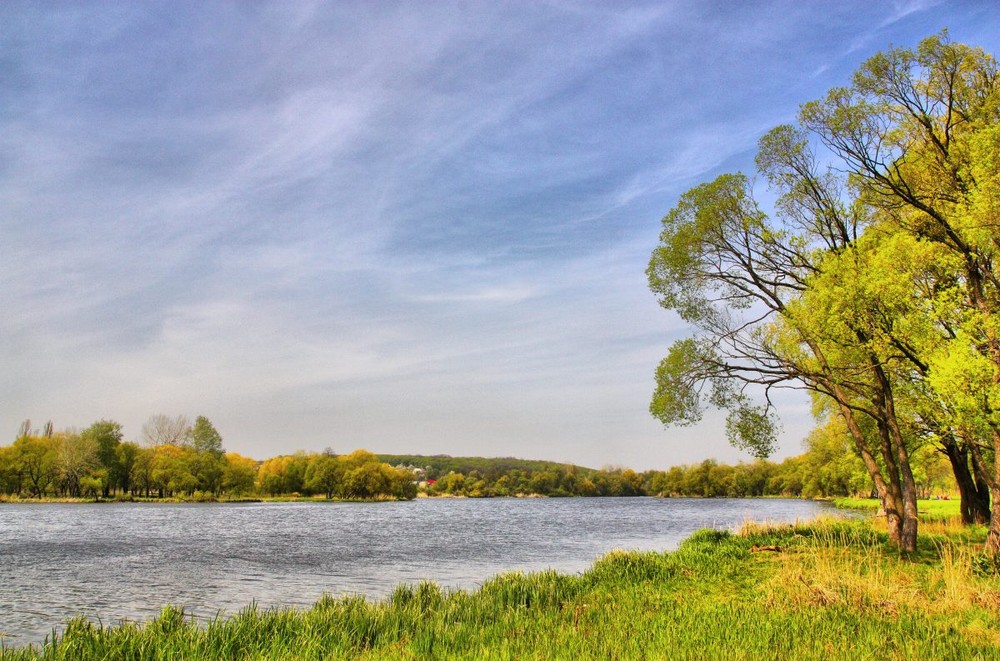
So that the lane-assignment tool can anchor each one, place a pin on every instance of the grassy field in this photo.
(821, 590)
(929, 510)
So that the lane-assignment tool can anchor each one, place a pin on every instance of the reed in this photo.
(826, 589)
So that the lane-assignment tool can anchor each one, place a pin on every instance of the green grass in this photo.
(929, 510)
(823, 590)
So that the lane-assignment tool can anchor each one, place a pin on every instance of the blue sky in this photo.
(410, 227)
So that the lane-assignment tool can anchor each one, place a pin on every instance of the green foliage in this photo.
(832, 466)
(107, 436)
(36, 459)
(490, 468)
(205, 438)
(324, 474)
(753, 429)
(817, 293)
(239, 474)
(66, 465)
(91, 486)
(372, 479)
(676, 400)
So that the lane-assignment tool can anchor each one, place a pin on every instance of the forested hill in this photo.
(491, 468)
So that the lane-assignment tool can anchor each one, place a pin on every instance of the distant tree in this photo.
(358, 458)
(295, 472)
(77, 460)
(171, 472)
(38, 460)
(453, 484)
(932, 471)
(544, 482)
(11, 476)
(374, 480)
(830, 463)
(271, 476)
(143, 470)
(502, 486)
(239, 474)
(128, 457)
(163, 430)
(323, 474)
(107, 435)
(91, 485)
(205, 438)
(208, 469)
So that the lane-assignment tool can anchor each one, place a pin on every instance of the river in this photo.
(126, 561)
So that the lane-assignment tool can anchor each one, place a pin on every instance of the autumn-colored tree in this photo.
(239, 474)
(271, 476)
(171, 470)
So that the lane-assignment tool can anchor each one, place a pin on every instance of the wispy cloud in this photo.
(409, 227)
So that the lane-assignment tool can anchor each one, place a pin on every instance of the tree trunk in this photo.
(888, 491)
(893, 518)
(993, 536)
(895, 503)
(908, 537)
(973, 492)
(907, 485)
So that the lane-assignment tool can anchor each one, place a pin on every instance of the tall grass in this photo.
(821, 590)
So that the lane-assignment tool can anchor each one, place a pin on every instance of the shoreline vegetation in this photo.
(181, 462)
(826, 588)
(72, 467)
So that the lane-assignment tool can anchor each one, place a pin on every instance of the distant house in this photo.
(418, 473)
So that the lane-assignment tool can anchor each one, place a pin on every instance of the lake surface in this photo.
(117, 561)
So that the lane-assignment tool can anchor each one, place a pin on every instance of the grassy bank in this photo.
(827, 589)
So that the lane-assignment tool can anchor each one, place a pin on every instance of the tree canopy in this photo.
(872, 283)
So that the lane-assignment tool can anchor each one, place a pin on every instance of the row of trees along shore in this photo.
(827, 469)
(178, 459)
(874, 285)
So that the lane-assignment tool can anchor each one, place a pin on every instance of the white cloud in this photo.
(412, 228)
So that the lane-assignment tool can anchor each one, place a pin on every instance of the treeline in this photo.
(828, 468)
(179, 460)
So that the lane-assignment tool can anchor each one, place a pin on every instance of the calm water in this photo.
(128, 560)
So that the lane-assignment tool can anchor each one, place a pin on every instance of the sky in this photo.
(410, 227)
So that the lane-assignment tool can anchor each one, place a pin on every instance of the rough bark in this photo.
(974, 495)
(993, 536)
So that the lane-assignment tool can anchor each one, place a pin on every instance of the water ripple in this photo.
(126, 561)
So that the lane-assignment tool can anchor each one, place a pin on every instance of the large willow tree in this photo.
(873, 284)
(919, 133)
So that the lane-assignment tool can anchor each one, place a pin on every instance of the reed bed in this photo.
(827, 589)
